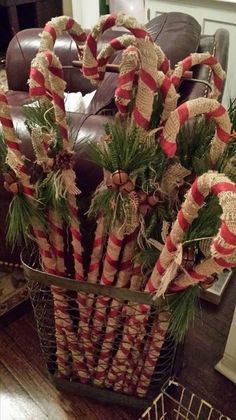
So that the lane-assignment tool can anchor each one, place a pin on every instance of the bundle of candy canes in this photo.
(149, 202)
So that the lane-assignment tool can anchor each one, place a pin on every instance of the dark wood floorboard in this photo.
(26, 393)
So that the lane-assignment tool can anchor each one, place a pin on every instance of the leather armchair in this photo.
(177, 34)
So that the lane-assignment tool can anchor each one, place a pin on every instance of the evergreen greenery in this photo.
(23, 214)
(48, 195)
(193, 144)
(124, 151)
(232, 113)
(3, 154)
(183, 307)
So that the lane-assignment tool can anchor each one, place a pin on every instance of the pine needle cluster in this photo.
(125, 150)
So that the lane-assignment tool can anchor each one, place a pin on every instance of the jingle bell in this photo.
(120, 177)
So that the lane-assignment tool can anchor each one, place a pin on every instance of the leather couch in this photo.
(178, 35)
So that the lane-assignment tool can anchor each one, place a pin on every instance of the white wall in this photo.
(67, 7)
(86, 12)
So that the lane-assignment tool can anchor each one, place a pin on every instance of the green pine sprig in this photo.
(125, 151)
(22, 215)
(183, 307)
(48, 196)
(3, 154)
(208, 221)
(232, 113)
(193, 144)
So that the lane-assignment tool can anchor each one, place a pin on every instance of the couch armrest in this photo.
(218, 45)
(23, 48)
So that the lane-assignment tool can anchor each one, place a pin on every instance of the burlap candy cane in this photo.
(123, 382)
(212, 109)
(52, 72)
(90, 61)
(223, 245)
(130, 64)
(110, 267)
(121, 43)
(201, 58)
(116, 44)
(123, 278)
(147, 84)
(55, 27)
(223, 250)
(65, 338)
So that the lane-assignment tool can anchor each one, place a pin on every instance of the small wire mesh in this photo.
(77, 351)
(176, 402)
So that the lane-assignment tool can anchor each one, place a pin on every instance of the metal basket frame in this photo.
(176, 402)
(37, 278)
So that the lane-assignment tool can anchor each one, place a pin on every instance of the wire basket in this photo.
(41, 289)
(175, 402)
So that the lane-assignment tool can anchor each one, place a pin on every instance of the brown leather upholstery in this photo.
(23, 48)
(178, 35)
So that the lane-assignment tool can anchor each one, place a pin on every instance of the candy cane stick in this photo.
(210, 182)
(152, 352)
(90, 62)
(212, 109)
(223, 248)
(122, 43)
(55, 27)
(147, 84)
(125, 269)
(130, 63)
(110, 267)
(168, 254)
(201, 58)
(62, 322)
(53, 74)
(123, 381)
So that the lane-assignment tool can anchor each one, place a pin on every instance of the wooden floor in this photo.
(27, 394)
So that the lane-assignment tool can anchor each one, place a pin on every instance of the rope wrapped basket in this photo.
(109, 317)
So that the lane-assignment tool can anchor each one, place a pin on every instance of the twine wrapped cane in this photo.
(149, 63)
(223, 250)
(49, 62)
(123, 278)
(201, 58)
(130, 63)
(55, 27)
(212, 109)
(16, 161)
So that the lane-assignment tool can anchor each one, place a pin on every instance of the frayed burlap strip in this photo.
(173, 179)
